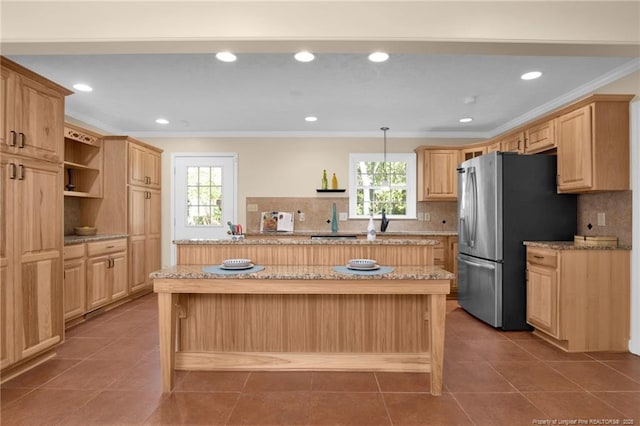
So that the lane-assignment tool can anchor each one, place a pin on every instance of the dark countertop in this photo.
(79, 239)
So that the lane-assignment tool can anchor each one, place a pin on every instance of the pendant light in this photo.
(385, 182)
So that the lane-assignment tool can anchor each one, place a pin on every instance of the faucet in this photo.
(384, 223)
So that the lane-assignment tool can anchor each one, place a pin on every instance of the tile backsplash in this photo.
(318, 210)
(617, 209)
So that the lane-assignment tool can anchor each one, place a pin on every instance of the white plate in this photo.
(240, 267)
(236, 262)
(367, 268)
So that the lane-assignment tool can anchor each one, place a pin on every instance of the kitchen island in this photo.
(297, 317)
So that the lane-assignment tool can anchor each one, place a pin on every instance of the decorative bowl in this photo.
(362, 263)
(236, 262)
(85, 231)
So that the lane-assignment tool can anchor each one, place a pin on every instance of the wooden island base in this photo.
(221, 323)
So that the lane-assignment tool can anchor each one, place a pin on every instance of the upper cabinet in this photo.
(33, 113)
(494, 146)
(593, 145)
(471, 152)
(513, 143)
(540, 137)
(437, 174)
(82, 162)
(144, 166)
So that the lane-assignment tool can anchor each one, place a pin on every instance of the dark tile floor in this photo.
(107, 373)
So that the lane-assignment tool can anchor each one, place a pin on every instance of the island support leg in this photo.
(437, 311)
(167, 329)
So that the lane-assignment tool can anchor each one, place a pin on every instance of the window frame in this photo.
(411, 187)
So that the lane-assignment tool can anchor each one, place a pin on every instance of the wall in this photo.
(284, 167)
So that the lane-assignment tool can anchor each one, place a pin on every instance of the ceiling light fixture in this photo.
(378, 57)
(311, 118)
(531, 75)
(466, 120)
(83, 87)
(162, 121)
(226, 56)
(304, 56)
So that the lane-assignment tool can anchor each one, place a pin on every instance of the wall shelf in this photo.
(330, 190)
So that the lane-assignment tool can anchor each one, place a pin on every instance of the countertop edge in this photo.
(570, 245)
(70, 240)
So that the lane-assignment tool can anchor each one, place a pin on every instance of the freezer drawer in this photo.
(480, 288)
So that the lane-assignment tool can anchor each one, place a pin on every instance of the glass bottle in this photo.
(334, 219)
(325, 183)
(334, 182)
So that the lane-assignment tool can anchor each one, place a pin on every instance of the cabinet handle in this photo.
(12, 171)
(21, 172)
(538, 256)
(110, 246)
(21, 140)
(12, 139)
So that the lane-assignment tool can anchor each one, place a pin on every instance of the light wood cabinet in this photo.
(75, 282)
(131, 205)
(33, 114)
(144, 234)
(540, 137)
(82, 162)
(471, 152)
(593, 146)
(437, 174)
(494, 146)
(578, 300)
(107, 278)
(144, 166)
(513, 143)
(452, 264)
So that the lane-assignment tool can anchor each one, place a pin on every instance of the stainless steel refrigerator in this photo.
(503, 200)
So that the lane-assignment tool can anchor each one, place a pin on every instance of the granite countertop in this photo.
(569, 245)
(289, 241)
(358, 233)
(279, 272)
(79, 239)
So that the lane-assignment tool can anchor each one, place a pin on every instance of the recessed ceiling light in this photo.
(304, 56)
(311, 118)
(83, 87)
(162, 121)
(378, 57)
(466, 120)
(532, 75)
(226, 56)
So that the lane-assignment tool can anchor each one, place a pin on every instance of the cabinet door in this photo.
(75, 288)
(153, 168)
(7, 334)
(575, 155)
(118, 276)
(540, 138)
(7, 83)
(493, 147)
(469, 153)
(440, 175)
(542, 298)
(137, 211)
(137, 263)
(41, 121)
(137, 165)
(513, 143)
(98, 282)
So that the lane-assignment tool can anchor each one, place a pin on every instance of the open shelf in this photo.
(330, 190)
(83, 163)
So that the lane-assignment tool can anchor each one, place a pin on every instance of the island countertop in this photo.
(570, 245)
(299, 272)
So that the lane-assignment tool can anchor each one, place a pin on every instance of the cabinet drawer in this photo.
(105, 247)
(545, 258)
(73, 251)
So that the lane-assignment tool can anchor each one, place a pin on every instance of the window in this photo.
(374, 185)
(204, 195)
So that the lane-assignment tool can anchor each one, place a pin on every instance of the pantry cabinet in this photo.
(437, 174)
(578, 300)
(144, 234)
(30, 215)
(593, 146)
(144, 166)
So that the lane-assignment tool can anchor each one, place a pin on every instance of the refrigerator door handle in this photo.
(471, 228)
(477, 265)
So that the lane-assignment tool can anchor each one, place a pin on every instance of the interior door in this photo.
(204, 195)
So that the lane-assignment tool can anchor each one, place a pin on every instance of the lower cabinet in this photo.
(95, 274)
(75, 282)
(578, 300)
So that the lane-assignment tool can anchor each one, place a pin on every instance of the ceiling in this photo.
(270, 94)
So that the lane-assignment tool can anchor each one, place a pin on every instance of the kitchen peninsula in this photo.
(299, 312)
